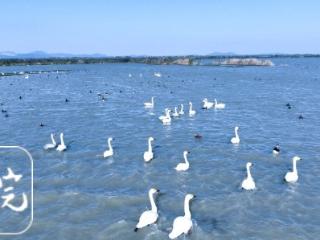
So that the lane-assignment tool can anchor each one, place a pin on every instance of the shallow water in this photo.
(80, 195)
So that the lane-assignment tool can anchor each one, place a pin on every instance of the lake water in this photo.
(79, 195)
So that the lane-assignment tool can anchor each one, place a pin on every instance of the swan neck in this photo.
(149, 146)
(109, 144)
(61, 140)
(52, 139)
(294, 163)
(187, 212)
(236, 132)
(248, 172)
(153, 204)
(186, 159)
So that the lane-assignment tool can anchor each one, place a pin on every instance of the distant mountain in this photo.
(41, 54)
(222, 54)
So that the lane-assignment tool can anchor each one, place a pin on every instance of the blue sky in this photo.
(162, 27)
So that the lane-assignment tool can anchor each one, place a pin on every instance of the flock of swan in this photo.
(182, 224)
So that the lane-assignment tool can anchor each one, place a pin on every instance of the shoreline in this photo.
(189, 60)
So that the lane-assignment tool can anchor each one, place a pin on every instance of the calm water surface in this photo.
(80, 195)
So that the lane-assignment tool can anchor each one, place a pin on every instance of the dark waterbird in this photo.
(198, 136)
(288, 105)
(301, 117)
(276, 149)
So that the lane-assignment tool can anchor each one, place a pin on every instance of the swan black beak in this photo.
(158, 190)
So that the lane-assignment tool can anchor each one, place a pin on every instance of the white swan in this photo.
(61, 147)
(182, 224)
(218, 105)
(191, 111)
(276, 150)
(292, 177)
(150, 216)
(148, 155)
(167, 119)
(157, 74)
(236, 139)
(175, 114)
(166, 110)
(183, 166)
(207, 104)
(51, 145)
(109, 152)
(181, 112)
(149, 104)
(248, 183)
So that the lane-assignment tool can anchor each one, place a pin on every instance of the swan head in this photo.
(296, 158)
(249, 164)
(185, 153)
(153, 190)
(205, 100)
(190, 196)
(236, 128)
(190, 103)
(61, 135)
(110, 139)
(151, 139)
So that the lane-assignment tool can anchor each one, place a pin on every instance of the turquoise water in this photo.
(80, 195)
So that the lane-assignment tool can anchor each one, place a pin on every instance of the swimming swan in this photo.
(109, 152)
(167, 119)
(149, 104)
(183, 224)
(61, 147)
(292, 177)
(165, 114)
(218, 105)
(157, 74)
(236, 139)
(51, 145)
(148, 155)
(150, 216)
(191, 111)
(183, 166)
(181, 112)
(248, 183)
(175, 114)
(207, 104)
